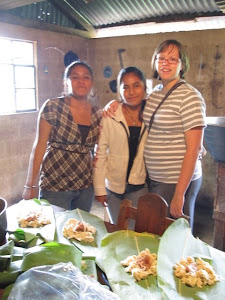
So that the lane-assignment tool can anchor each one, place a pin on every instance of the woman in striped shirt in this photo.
(174, 143)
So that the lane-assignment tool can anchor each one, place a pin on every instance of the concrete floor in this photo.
(203, 226)
(97, 209)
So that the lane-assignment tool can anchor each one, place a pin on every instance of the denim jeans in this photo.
(167, 190)
(114, 200)
(70, 199)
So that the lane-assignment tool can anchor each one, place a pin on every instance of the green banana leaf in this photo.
(25, 239)
(10, 276)
(7, 291)
(88, 249)
(6, 252)
(218, 263)
(41, 201)
(88, 267)
(17, 253)
(47, 232)
(116, 247)
(50, 254)
(177, 242)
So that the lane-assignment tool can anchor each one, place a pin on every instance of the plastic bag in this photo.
(60, 281)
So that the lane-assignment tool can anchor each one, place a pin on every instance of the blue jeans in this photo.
(70, 199)
(114, 200)
(167, 190)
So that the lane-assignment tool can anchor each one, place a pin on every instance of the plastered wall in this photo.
(17, 132)
(205, 50)
(207, 64)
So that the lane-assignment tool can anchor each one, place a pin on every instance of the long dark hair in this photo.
(182, 55)
(70, 67)
(73, 65)
(140, 75)
(129, 70)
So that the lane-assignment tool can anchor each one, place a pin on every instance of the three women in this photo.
(172, 151)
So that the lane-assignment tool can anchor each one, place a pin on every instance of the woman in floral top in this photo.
(61, 158)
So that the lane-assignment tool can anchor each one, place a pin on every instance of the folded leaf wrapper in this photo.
(13, 270)
(46, 254)
(116, 247)
(6, 252)
(58, 282)
(10, 276)
(178, 242)
(7, 291)
(50, 254)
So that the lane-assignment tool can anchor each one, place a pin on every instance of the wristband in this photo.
(30, 187)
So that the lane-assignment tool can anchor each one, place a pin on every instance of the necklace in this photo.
(131, 117)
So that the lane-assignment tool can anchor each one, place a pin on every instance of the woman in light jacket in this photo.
(119, 168)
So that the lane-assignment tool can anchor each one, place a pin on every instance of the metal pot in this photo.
(3, 220)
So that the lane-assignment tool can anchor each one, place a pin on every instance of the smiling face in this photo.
(167, 71)
(79, 82)
(132, 89)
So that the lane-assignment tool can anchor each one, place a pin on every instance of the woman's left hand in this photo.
(176, 206)
(102, 199)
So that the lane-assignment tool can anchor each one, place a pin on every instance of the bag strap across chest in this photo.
(161, 102)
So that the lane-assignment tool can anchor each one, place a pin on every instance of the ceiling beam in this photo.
(10, 4)
(221, 5)
(70, 12)
(6, 18)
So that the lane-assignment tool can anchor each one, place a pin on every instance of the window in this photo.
(17, 76)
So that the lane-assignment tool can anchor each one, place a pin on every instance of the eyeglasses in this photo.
(171, 60)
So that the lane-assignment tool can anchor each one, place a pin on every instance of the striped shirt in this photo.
(67, 163)
(183, 110)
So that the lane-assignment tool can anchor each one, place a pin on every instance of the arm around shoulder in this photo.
(110, 109)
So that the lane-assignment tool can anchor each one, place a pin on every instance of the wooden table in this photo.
(110, 228)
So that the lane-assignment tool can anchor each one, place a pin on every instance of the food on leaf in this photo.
(142, 265)
(79, 230)
(33, 217)
(195, 273)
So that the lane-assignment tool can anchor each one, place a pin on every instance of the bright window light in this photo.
(17, 76)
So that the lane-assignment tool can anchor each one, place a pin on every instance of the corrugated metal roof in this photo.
(45, 12)
(88, 15)
(102, 13)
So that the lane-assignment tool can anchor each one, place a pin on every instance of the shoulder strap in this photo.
(164, 98)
